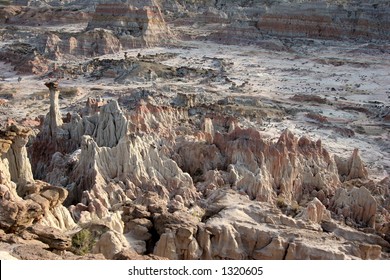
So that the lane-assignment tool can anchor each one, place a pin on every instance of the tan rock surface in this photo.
(352, 168)
(241, 231)
(110, 244)
(20, 167)
(315, 212)
(137, 23)
(357, 204)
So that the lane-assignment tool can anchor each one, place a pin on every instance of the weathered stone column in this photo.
(19, 164)
(55, 120)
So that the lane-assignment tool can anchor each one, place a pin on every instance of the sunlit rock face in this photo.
(327, 19)
(136, 23)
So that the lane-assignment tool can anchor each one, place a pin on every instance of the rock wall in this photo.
(323, 19)
(90, 43)
(249, 21)
(292, 169)
(138, 24)
(36, 16)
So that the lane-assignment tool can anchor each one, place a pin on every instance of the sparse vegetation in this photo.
(281, 202)
(82, 242)
(289, 209)
(69, 92)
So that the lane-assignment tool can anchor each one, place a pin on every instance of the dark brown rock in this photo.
(55, 238)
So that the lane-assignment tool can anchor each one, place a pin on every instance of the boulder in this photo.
(315, 212)
(110, 244)
(53, 237)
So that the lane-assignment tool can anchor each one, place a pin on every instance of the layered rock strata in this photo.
(90, 43)
(137, 23)
(251, 22)
(324, 19)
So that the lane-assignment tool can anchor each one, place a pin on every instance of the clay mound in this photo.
(136, 23)
(141, 68)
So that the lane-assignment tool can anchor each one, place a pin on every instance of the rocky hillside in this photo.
(107, 27)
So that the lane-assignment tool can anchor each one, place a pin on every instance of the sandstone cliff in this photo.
(328, 19)
(251, 21)
(136, 23)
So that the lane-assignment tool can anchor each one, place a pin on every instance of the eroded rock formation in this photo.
(25, 201)
(327, 19)
(137, 23)
(251, 22)
(157, 180)
(25, 58)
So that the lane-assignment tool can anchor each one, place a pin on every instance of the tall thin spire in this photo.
(54, 114)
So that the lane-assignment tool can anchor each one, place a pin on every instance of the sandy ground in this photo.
(343, 74)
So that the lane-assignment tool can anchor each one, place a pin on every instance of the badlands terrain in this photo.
(185, 129)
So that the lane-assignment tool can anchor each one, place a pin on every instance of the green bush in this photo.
(281, 202)
(82, 242)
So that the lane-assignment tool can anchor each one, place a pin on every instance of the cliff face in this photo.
(250, 21)
(112, 27)
(116, 25)
(327, 19)
(136, 23)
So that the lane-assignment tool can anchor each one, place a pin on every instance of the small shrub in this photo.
(69, 92)
(295, 208)
(82, 242)
(281, 202)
